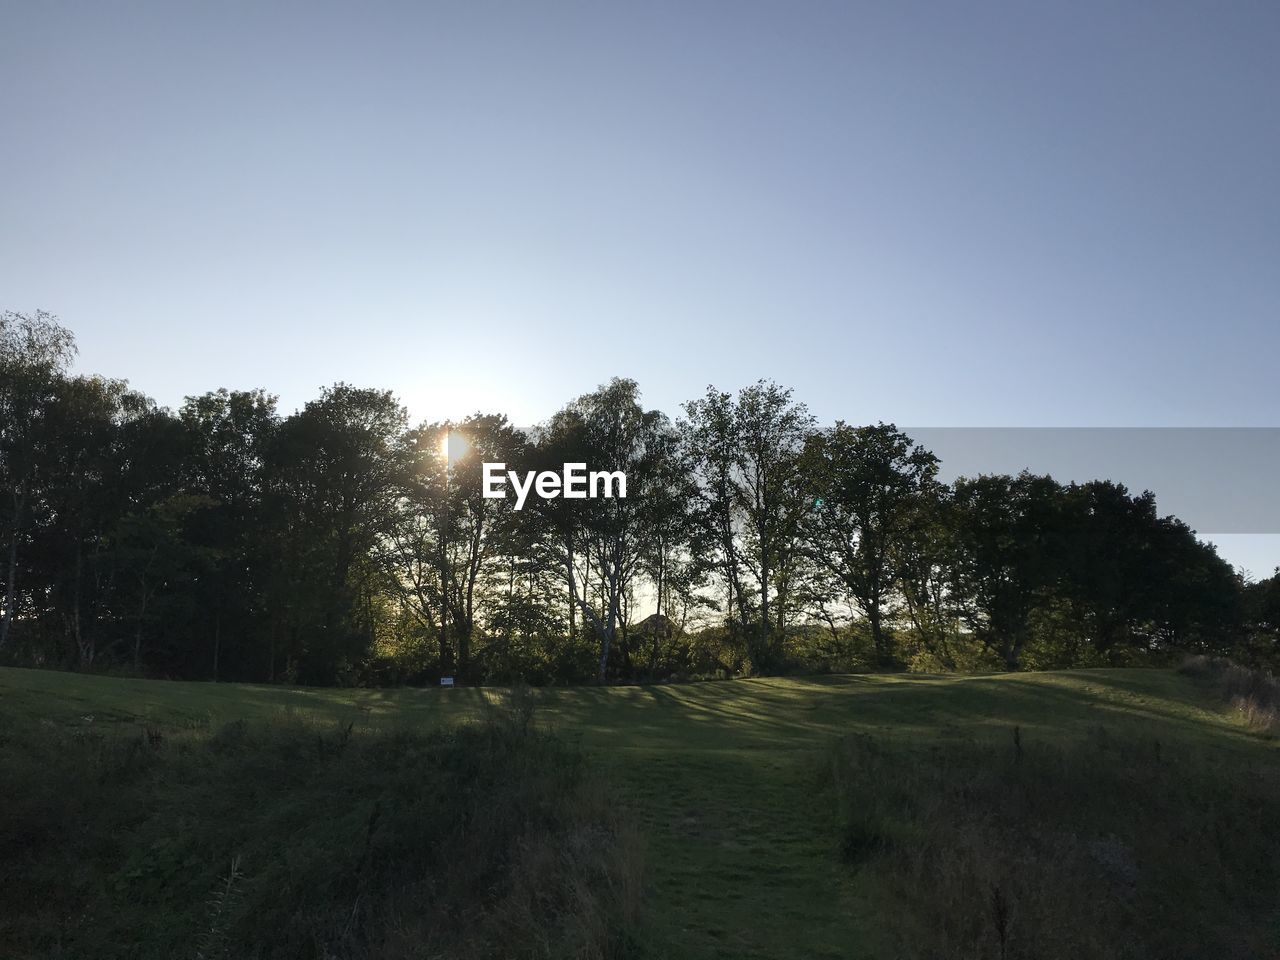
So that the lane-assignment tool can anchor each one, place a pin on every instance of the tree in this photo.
(1112, 562)
(83, 489)
(229, 434)
(1198, 602)
(747, 452)
(1134, 579)
(604, 540)
(336, 545)
(1262, 600)
(925, 559)
(334, 475)
(35, 351)
(1009, 556)
(155, 555)
(448, 537)
(709, 437)
(863, 483)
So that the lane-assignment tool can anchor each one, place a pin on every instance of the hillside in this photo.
(730, 781)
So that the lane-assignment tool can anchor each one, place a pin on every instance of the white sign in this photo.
(446, 681)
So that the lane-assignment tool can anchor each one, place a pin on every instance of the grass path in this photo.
(726, 777)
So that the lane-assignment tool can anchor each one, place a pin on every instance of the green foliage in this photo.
(866, 485)
(1009, 548)
(340, 546)
(957, 652)
(752, 500)
(1259, 643)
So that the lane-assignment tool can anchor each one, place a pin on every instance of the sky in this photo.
(933, 214)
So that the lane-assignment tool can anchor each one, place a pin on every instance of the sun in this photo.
(453, 446)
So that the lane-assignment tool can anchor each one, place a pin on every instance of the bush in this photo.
(484, 841)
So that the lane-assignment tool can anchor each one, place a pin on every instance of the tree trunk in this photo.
(572, 612)
(760, 664)
(589, 616)
(10, 590)
(83, 646)
(611, 622)
(11, 578)
(604, 657)
(662, 569)
(137, 633)
(1010, 651)
(446, 651)
(877, 631)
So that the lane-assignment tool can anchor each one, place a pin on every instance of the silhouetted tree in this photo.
(747, 451)
(1262, 610)
(449, 539)
(35, 350)
(229, 435)
(926, 560)
(336, 545)
(863, 484)
(334, 477)
(603, 540)
(1009, 539)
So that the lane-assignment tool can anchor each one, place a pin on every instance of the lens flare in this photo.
(454, 446)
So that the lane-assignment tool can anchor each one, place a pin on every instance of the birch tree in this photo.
(35, 351)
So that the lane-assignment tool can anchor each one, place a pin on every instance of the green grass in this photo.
(729, 780)
(314, 842)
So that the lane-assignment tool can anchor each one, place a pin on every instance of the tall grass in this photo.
(1015, 849)
(1253, 694)
(492, 840)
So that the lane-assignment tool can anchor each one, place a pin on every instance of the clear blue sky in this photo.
(946, 214)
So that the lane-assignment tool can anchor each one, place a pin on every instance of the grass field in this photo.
(730, 781)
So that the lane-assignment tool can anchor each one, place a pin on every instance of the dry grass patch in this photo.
(1253, 694)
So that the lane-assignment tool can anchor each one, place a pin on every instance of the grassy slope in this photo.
(725, 777)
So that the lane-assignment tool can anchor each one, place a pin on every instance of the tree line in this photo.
(343, 544)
